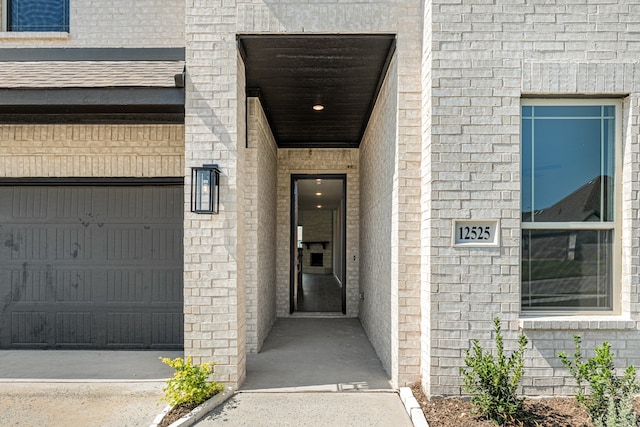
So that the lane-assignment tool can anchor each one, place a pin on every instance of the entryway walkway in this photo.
(313, 372)
(320, 293)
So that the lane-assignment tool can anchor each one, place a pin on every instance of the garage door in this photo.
(91, 266)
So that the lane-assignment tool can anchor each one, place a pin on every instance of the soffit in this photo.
(292, 73)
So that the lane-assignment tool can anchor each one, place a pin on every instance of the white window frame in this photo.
(4, 25)
(614, 225)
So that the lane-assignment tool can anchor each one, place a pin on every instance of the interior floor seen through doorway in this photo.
(319, 293)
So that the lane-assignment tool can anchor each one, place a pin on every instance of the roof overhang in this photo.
(49, 84)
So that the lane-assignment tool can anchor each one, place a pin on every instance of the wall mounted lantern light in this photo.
(205, 189)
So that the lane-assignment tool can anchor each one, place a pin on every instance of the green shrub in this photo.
(189, 384)
(606, 396)
(493, 383)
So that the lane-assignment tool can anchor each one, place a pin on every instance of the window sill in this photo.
(583, 322)
(34, 35)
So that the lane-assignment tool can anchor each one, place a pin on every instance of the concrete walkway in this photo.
(310, 372)
(313, 372)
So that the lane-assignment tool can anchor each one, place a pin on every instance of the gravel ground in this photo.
(80, 404)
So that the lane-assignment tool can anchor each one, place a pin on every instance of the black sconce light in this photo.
(205, 189)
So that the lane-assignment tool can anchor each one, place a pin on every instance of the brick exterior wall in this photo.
(426, 218)
(377, 165)
(215, 266)
(443, 144)
(112, 23)
(481, 59)
(91, 150)
(261, 204)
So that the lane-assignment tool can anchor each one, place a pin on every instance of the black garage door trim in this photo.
(126, 181)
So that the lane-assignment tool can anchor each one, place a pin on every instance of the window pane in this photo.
(567, 164)
(527, 171)
(557, 111)
(39, 15)
(567, 269)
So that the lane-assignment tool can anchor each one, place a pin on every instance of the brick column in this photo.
(405, 232)
(214, 251)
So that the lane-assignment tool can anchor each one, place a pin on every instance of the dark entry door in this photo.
(91, 266)
(318, 243)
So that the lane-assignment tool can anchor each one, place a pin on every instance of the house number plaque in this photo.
(476, 233)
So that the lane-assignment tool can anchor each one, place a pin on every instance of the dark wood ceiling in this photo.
(292, 73)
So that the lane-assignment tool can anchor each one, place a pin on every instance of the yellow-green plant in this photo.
(189, 384)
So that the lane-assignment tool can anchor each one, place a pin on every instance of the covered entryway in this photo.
(314, 103)
(91, 264)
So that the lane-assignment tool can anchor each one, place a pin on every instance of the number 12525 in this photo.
(474, 233)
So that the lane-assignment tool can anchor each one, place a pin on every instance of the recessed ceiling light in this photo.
(318, 181)
(319, 206)
(318, 194)
(318, 107)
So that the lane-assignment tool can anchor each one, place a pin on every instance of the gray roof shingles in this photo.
(88, 74)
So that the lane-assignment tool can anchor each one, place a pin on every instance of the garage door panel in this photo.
(125, 330)
(91, 266)
(124, 243)
(74, 286)
(125, 286)
(74, 329)
(30, 202)
(167, 328)
(30, 328)
(30, 285)
(165, 243)
(73, 243)
(165, 286)
(26, 243)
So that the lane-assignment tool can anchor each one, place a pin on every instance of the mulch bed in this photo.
(554, 412)
(176, 413)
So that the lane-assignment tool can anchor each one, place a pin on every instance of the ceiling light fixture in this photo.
(319, 206)
(318, 194)
(318, 107)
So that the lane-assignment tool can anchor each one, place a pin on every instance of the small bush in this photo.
(492, 382)
(189, 384)
(606, 396)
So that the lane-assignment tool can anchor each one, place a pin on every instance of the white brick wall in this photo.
(482, 58)
(214, 264)
(112, 23)
(377, 165)
(426, 196)
(91, 150)
(261, 202)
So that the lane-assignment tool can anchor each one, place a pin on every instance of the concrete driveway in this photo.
(81, 388)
